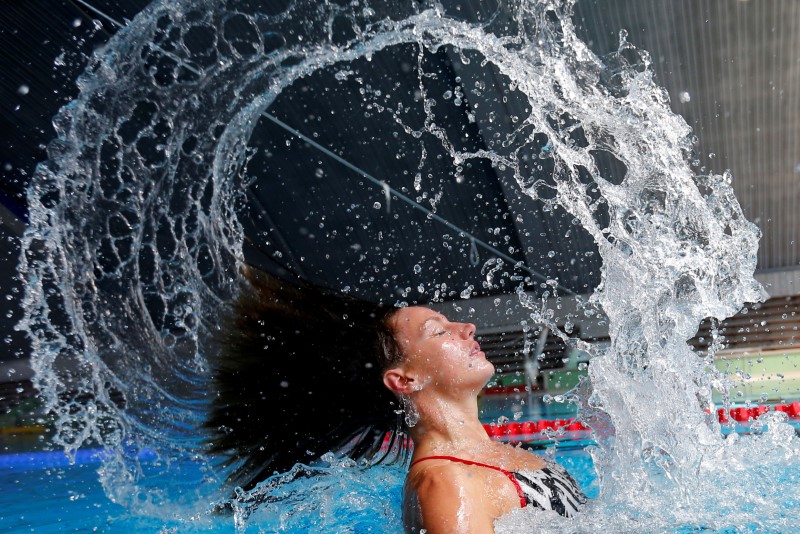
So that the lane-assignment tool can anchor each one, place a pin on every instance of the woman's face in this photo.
(439, 352)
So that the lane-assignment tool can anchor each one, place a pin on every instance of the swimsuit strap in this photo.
(508, 474)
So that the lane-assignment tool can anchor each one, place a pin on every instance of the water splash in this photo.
(323, 499)
(135, 236)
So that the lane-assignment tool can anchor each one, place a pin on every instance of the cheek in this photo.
(453, 353)
(439, 359)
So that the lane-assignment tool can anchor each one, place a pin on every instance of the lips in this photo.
(476, 348)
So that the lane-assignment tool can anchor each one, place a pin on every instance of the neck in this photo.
(447, 425)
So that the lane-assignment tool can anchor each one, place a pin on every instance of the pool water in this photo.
(41, 492)
(45, 491)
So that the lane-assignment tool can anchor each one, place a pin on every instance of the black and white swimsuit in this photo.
(549, 488)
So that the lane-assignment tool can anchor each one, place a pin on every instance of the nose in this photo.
(467, 330)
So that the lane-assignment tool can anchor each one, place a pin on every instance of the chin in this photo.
(489, 371)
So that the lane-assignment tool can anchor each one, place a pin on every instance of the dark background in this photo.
(732, 69)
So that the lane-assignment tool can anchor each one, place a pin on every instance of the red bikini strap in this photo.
(508, 474)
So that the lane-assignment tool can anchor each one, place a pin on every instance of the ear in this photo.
(398, 381)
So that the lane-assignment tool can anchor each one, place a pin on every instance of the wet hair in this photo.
(298, 373)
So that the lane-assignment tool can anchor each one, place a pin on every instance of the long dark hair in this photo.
(298, 374)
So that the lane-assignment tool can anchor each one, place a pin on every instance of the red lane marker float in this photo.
(506, 390)
(528, 428)
(493, 430)
(758, 411)
(741, 414)
(744, 414)
(545, 425)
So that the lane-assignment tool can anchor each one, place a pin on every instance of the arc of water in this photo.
(387, 189)
(664, 270)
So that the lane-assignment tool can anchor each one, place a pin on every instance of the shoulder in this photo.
(450, 499)
(440, 478)
(441, 483)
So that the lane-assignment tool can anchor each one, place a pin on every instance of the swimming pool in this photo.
(40, 492)
(44, 491)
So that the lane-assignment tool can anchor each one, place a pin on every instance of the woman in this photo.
(460, 480)
(300, 370)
